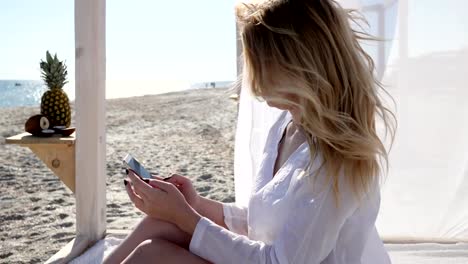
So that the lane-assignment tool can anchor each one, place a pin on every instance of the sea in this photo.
(21, 93)
(14, 93)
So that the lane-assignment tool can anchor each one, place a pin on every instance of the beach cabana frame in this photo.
(90, 146)
(81, 162)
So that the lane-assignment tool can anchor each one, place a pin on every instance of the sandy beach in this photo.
(190, 132)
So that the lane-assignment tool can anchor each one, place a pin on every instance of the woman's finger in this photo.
(137, 201)
(157, 177)
(162, 185)
(132, 176)
(140, 186)
(176, 179)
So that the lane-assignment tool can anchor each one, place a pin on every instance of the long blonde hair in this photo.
(311, 44)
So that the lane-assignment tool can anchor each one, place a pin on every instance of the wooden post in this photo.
(382, 45)
(403, 30)
(90, 71)
(239, 59)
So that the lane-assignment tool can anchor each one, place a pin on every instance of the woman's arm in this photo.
(211, 209)
(308, 236)
(227, 215)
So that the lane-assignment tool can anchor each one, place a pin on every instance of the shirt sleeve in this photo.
(235, 218)
(308, 236)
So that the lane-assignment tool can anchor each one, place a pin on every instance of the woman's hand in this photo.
(185, 186)
(162, 200)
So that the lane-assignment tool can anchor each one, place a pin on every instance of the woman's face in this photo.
(291, 108)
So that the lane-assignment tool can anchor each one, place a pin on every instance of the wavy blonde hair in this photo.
(308, 50)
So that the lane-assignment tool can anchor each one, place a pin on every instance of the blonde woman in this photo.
(316, 195)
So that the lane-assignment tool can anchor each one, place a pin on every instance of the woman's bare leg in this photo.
(148, 228)
(162, 251)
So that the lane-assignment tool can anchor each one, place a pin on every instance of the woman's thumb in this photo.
(159, 184)
(157, 177)
(176, 179)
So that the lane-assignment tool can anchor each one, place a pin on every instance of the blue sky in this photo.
(187, 40)
(146, 40)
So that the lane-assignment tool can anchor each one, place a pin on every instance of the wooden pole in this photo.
(403, 30)
(382, 45)
(238, 51)
(90, 52)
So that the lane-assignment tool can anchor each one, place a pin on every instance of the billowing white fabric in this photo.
(254, 121)
(293, 217)
(425, 68)
(426, 193)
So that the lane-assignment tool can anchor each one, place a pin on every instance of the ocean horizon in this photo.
(18, 93)
(14, 93)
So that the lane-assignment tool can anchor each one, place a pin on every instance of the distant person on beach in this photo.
(316, 195)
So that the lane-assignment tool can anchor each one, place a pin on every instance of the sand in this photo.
(189, 132)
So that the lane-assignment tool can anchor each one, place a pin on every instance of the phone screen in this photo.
(133, 164)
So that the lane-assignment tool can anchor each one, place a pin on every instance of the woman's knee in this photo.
(145, 247)
(140, 253)
(158, 229)
(149, 223)
(160, 250)
(151, 227)
(153, 249)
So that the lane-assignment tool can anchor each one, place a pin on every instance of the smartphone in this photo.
(131, 163)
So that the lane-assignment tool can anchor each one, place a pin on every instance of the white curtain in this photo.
(424, 65)
(426, 193)
(254, 121)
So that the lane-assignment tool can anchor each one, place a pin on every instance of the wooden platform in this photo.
(57, 152)
(28, 139)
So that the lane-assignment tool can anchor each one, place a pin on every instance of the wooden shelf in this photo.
(28, 139)
(57, 152)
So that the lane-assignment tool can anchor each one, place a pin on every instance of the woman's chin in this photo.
(273, 103)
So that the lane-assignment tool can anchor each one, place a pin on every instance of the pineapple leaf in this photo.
(53, 72)
(49, 58)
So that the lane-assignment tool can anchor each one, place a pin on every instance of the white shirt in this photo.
(293, 218)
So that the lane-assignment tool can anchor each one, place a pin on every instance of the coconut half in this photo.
(44, 123)
(67, 131)
(36, 124)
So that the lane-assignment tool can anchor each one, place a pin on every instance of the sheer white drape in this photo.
(424, 66)
(426, 193)
(254, 121)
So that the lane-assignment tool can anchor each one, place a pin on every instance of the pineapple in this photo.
(54, 103)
